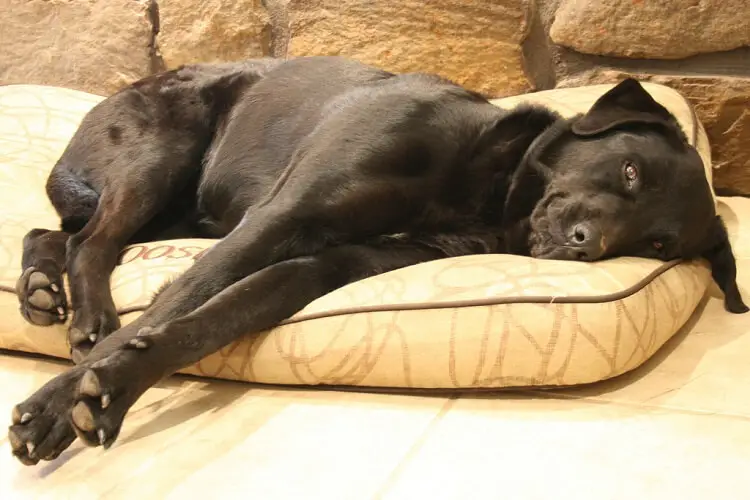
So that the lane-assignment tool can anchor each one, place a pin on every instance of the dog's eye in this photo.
(630, 170)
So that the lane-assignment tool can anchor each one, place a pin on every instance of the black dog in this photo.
(317, 172)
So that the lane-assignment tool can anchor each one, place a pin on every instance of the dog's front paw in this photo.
(90, 326)
(107, 390)
(41, 428)
(99, 409)
(42, 296)
(89, 401)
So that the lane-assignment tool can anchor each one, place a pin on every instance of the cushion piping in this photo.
(451, 304)
(538, 299)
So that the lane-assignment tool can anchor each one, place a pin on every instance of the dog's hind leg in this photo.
(141, 150)
(96, 225)
(97, 394)
(135, 156)
(40, 288)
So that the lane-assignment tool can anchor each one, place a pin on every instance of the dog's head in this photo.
(620, 180)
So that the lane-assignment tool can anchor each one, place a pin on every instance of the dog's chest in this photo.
(467, 225)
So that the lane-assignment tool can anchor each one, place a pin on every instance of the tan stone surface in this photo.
(474, 42)
(212, 30)
(660, 29)
(722, 104)
(95, 45)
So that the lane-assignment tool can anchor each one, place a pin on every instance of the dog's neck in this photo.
(526, 187)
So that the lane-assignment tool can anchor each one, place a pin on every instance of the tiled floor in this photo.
(676, 428)
(679, 427)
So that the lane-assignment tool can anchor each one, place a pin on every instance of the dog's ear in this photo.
(724, 267)
(511, 134)
(626, 103)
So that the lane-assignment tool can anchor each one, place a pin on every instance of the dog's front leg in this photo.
(97, 394)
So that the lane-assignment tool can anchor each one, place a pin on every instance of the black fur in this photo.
(317, 172)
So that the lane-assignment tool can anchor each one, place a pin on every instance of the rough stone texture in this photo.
(212, 30)
(95, 45)
(499, 47)
(473, 42)
(661, 29)
(723, 105)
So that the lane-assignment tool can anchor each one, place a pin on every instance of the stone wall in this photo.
(699, 47)
(499, 47)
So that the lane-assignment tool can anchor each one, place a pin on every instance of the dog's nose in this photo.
(586, 239)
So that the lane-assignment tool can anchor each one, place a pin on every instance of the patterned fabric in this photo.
(474, 321)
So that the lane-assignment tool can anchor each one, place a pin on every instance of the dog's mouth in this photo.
(554, 230)
(549, 242)
(559, 252)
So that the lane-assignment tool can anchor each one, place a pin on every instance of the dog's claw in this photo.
(61, 311)
(138, 343)
(106, 399)
(92, 338)
(102, 436)
(144, 331)
(20, 418)
(30, 447)
(55, 289)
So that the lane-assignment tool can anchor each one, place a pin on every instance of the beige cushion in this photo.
(476, 321)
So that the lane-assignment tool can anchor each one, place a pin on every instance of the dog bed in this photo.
(481, 321)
